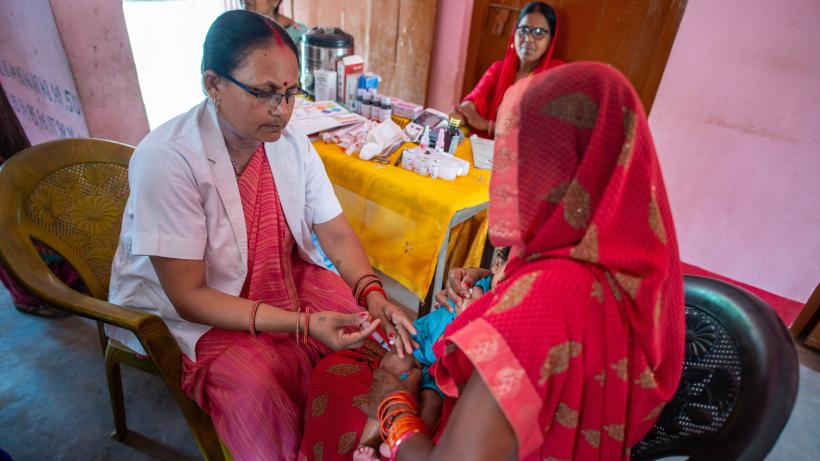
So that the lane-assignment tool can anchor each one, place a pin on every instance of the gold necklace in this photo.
(235, 168)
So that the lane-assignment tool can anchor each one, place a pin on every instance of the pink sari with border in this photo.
(255, 387)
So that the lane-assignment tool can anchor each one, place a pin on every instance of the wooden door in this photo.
(491, 27)
(806, 328)
(635, 36)
(395, 38)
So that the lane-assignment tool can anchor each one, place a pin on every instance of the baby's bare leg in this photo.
(430, 408)
(370, 433)
(364, 453)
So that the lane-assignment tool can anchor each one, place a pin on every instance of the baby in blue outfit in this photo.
(428, 330)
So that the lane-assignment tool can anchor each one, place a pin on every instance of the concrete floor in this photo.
(54, 401)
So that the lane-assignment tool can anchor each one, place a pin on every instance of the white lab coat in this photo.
(184, 203)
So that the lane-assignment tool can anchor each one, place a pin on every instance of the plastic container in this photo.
(376, 107)
(387, 109)
(367, 100)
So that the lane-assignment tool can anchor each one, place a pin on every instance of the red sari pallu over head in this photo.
(582, 344)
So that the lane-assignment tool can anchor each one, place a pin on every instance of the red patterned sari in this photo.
(582, 344)
(254, 387)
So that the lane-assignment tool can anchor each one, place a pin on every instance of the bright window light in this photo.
(166, 39)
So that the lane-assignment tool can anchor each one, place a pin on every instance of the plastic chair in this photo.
(70, 195)
(739, 380)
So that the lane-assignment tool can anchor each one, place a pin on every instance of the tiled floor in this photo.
(54, 402)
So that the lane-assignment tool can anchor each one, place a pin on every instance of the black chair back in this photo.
(739, 382)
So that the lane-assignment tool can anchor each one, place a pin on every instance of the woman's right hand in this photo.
(386, 383)
(460, 281)
(329, 329)
(474, 119)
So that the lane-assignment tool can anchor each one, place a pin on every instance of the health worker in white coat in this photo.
(216, 239)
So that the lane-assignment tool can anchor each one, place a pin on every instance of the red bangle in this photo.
(361, 279)
(364, 287)
(367, 291)
(253, 317)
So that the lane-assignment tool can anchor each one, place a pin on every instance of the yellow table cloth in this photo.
(402, 218)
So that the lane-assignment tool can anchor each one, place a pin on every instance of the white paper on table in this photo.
(482, 152)
(310, 109)
(313, 117)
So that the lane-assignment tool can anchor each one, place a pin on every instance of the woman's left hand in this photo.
(386, 383)
(395, 321)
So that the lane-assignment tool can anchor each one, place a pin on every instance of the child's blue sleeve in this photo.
(325, 260)
(429, 328)
(485, 284)
(428, 382)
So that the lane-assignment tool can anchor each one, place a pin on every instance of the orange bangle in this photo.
(254, 309)
(298, 314)
(402, 429)
(387, 416)
(398, 397)
(404, 425)
(387, 421)
(307, 324)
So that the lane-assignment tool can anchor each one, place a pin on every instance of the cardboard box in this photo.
(348, 70)
(406, 109)
(324, 85)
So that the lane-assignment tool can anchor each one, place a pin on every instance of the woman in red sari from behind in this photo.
(529, 52)
(576, 351)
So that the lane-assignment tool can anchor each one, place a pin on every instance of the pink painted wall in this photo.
(35, 72)
(737, 126)
(96, 42)
(449, 53)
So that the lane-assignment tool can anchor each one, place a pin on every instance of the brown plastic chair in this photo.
(70, 195)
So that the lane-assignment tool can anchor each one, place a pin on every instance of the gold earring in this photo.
(218, 105)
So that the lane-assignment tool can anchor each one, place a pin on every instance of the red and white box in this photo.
(348, 70)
